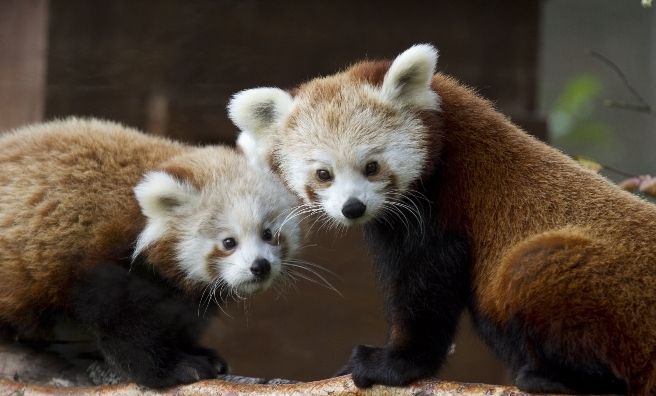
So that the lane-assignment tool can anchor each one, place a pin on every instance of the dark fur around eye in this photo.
(324, 175)
(267, 235)
(229, 243)
(371, 168)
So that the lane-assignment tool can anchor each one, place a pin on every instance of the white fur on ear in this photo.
(256, 110)
(160, 194)
(408, 79)
(255, 153)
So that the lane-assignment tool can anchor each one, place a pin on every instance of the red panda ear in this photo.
(409, 78)
(255, 111)
(255, 153)
(160, 195)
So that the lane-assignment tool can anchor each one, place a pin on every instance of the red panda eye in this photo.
(371, 168)
(267, 235)
(229, 243)
(324, 175)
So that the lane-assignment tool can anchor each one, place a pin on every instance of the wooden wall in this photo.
(114, 58)
(170, 66)
(23, 44)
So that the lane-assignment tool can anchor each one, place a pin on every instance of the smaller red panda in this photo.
(461, 209)
(133, 237)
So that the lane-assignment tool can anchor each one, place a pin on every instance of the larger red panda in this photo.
(133, 238)
(463, 210)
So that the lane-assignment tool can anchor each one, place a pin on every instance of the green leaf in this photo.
(589, 164)
(578, 94)
(588, 132)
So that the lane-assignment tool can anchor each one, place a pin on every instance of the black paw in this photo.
(219, 363)
(371, 365)
(343, 371)
(530, 382)
(569, 381)
(193, 368)
(190, 368)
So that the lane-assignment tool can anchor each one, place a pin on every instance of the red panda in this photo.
(133, 238)
(461, 209)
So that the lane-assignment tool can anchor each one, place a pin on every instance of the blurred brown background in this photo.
(170, 66)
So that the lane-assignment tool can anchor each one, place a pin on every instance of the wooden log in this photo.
(334, 386)
(29, 371)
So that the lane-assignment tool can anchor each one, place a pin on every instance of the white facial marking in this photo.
(343, 124)
(191, 256)
(239, 201)
(349, 183)
(245, 222)
(236, 269)
(162, 198)
(338, 123)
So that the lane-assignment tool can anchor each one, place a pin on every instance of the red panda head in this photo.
(344, 143)
(216, 223)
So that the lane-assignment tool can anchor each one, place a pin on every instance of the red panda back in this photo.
(66, 203)
(464, 209)
(555, 244)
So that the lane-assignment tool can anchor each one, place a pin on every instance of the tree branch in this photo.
(334, 386)
(642, 106)
(628, 106)
(26, 371)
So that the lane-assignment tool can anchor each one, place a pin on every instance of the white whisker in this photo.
(291, 269)
(323, 281)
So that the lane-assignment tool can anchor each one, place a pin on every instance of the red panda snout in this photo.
(353, 208)
(351, 198)
(258, 260)
(261, 268)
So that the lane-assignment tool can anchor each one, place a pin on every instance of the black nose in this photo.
(353, 208)
(261, 267)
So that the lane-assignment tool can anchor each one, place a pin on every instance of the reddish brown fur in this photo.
(311, 194)
(119, 234)
(61, 215)
(582, 245)
(553, 246)
(184, 174)
(163, 254)
(370, 72)
(516, 231)
(106, 224)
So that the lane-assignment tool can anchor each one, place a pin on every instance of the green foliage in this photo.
(589, 132)
(579, 93)
(570, 120)
(572, 124)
